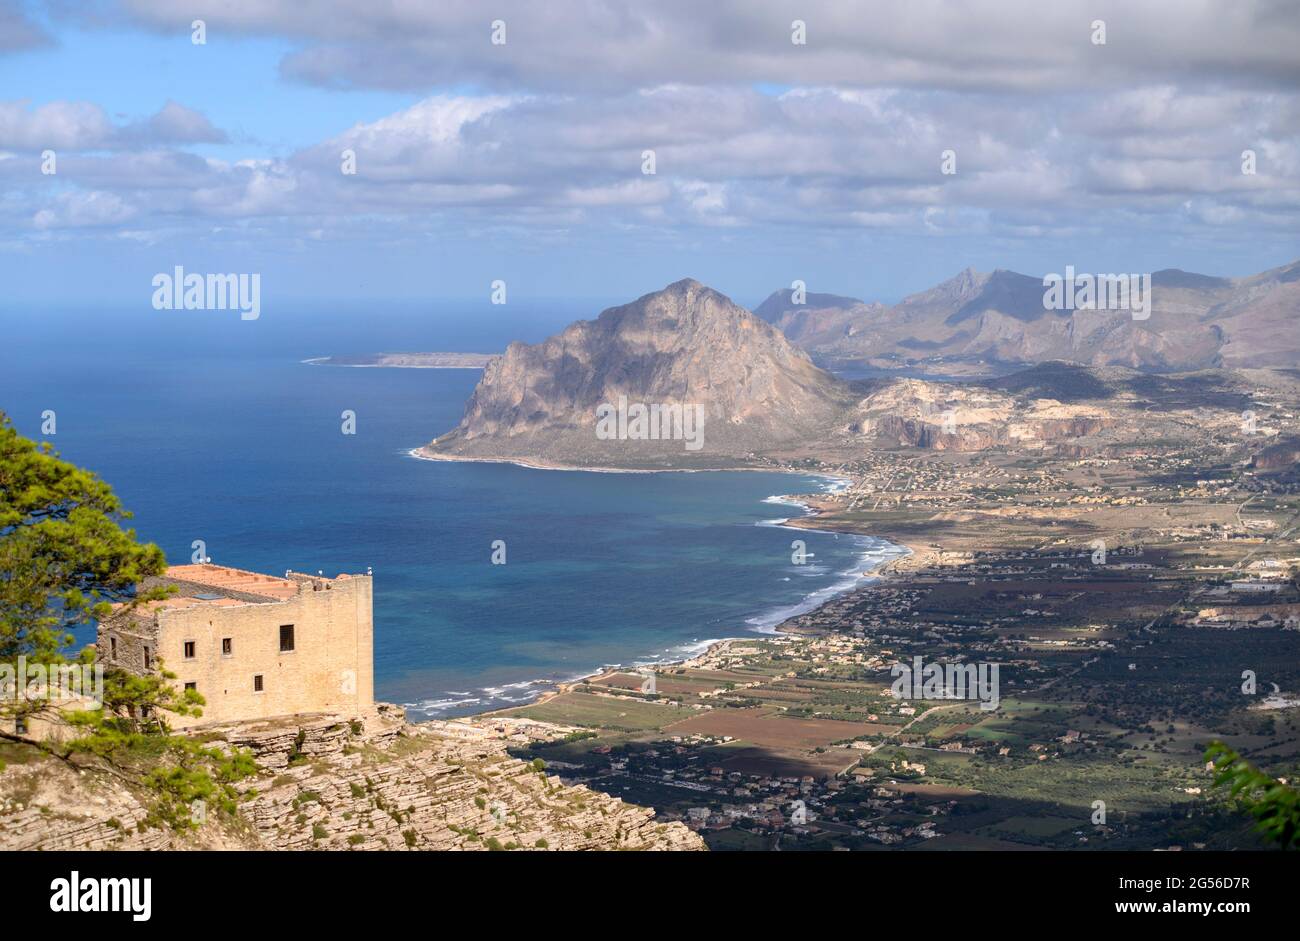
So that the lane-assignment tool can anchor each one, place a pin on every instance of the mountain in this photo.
(821, 320)
(780, 303)
(684, 378)
(716, 382)
(983, 321)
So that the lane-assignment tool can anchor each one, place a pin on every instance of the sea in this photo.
(221, 440)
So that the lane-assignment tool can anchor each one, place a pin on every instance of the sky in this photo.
(508, 141)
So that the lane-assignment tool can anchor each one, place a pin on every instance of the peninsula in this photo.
(408, 360)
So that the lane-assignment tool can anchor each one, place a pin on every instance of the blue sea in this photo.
(211, 428)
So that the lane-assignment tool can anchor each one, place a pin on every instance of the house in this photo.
(1255, 587)
(254, 646)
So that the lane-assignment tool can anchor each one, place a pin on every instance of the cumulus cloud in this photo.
(82, 125)
(173, 124)
(62, 125)
(80, 209)
(1050, 133)
(595, 45)
(818, 157)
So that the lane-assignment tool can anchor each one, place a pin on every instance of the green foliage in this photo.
(295, 752)
(134, 704)
(64, 555)
(198, 774)
(181, 771)
(1274, 805)
(65, 560)
(409, 837)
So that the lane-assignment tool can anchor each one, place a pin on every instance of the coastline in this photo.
(325, 361)
(919, 554)
(421, 454)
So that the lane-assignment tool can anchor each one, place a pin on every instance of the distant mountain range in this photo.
(573, 399)
(976, 322)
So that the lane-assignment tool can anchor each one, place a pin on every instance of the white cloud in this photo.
(80, 209)
(595, 47)
(82, 125)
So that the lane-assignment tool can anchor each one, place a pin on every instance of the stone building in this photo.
(255, 646)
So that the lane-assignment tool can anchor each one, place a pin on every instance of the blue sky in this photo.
(523, 161)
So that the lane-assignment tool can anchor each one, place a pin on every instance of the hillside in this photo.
(325, 784)
(998, 318)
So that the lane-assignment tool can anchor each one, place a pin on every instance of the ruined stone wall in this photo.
(134, 634)
(330, 669)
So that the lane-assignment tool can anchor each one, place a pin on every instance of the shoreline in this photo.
(325, 361)
(886, 568)
(420, 454)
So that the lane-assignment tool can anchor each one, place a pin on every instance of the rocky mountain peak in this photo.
(686, 347)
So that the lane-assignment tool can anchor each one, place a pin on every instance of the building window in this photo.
(227, 646)
(286, 638)
(193, 686)
(148, 659)
(112, 648)
(257, 683)
(189, 650)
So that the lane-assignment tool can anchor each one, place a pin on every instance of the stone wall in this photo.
(330, 669)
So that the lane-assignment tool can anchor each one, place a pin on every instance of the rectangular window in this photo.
(148, 659)
(189, 650)
(193, 686)
(112, 648)
(227, 646)
(286, 638)
(257, 683)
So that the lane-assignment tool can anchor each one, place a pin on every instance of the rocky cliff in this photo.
(328, 784)
(943, 416)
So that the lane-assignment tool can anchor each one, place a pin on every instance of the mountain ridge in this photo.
(761, 401)
(976, 321)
